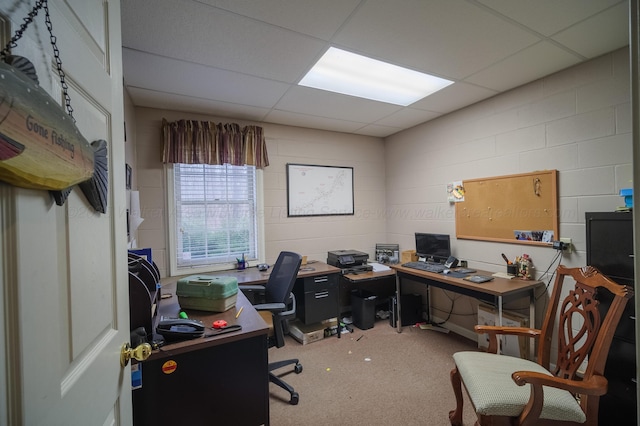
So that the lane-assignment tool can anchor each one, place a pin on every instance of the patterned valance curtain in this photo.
(204, 142)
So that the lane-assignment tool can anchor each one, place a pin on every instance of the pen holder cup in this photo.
(241, 264)
(512, 269)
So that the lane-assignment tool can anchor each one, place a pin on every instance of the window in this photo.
(215, 220)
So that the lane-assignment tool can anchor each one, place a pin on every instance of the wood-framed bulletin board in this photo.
(520, 208)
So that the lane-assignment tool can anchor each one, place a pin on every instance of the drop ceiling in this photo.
(242, 59)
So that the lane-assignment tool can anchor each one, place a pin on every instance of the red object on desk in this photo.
(219, 324)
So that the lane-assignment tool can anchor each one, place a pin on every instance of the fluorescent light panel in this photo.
(356, 75)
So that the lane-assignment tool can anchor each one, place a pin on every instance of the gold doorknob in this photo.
(141, 352)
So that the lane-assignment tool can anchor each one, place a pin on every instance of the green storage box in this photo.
(207, 292)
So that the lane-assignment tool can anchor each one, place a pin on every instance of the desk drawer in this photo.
(317, 298)
(319, 305)
(319, 282)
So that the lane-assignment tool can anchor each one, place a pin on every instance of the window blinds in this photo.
(215, 213)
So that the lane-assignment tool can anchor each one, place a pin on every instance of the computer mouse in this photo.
(446, 271)
(263, 267)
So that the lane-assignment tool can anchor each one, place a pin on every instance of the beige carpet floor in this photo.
(370, 377)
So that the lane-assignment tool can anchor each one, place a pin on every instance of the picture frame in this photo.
(316, 190)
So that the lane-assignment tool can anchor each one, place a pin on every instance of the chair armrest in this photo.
(255, 293)
(494, 330)
(283, 309)
(273, 307)
(595, 385)
(504, 330)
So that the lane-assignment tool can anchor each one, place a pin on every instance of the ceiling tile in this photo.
(202, 34)
(310, 121)
(243, 58)
(454, 97)
(549, 16)
(334, 105)
(611, 26)
(377, 131)
(174, 102)
(436, 37)
(159, 74)
(542, 59)
(407, 117)
(319, 19)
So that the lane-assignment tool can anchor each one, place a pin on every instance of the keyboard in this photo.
(425, 266)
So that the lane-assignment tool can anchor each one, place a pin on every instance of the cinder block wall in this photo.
(577, 121)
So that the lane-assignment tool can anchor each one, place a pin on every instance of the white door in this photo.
(64, 299)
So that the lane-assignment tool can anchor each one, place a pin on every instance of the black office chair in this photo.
(277, 297)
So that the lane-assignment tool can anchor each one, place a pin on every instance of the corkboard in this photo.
(495, 208)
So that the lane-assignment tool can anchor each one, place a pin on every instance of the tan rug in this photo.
(371, 377)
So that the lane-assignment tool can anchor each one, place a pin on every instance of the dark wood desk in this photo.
(253, 276)
(203, 381)
(497, 292)
(216, 380)
(316, 289)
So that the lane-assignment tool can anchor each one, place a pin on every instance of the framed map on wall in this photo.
(319, 190)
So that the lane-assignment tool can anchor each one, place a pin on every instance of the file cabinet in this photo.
(610, 249)
(317, 297)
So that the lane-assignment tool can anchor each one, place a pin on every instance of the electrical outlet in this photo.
(567, 245)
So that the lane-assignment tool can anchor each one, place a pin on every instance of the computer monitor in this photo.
(433, 247)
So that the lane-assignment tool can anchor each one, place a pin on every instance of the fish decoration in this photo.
(40, 145)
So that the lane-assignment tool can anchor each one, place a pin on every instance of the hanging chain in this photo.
(42, 4)
(56, 55)
(19, 32)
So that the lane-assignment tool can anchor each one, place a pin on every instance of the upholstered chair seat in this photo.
(493, 392)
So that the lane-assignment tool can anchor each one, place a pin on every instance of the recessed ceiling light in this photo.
(356, 75)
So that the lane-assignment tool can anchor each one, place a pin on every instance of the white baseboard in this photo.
(462, 331)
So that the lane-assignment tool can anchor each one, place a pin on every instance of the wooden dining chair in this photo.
(507, 390)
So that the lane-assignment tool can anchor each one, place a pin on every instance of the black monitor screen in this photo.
(433, 247)
(610, 244)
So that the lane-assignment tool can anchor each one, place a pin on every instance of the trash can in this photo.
(363, 308)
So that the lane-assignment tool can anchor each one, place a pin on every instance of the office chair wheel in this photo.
(294, 398)
(298, 368)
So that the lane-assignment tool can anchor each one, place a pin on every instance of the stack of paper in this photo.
(379, 267)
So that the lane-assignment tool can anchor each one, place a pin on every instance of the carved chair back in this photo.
(585, 331)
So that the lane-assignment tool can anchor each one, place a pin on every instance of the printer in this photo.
(350, 261)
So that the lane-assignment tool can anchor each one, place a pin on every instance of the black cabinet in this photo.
(610, 249)
(144, 293)
(222, 380)
(208, 386)
(316, 298)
